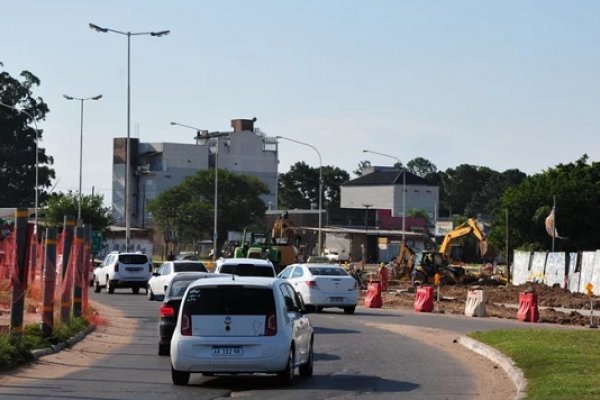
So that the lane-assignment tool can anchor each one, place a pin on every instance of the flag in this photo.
(550, 227)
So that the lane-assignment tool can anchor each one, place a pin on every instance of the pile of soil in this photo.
(503, 301)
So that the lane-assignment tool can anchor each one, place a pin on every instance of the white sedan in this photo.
(162, 277)
(323, 285)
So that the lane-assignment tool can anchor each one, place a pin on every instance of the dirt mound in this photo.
(503, 301)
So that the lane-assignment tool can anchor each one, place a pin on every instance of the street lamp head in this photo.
(97, 97)
(161, 33)
(97, 28)
(173, 123)
(365, 151)
(67, 97)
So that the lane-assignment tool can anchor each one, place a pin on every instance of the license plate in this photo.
(336, 299)
(133, 269)
(227, 351)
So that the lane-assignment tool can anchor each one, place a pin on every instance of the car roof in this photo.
(320, 265)
(186, 262)
(237, 280)
(254, 261)
(180, 276)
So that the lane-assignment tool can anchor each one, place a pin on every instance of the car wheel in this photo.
(286, 377)
(110, 289)
(349, 310)
(96, 286)
(135, 290)
(164, 349)
(306, 369)
(179, 377)
(149, 293)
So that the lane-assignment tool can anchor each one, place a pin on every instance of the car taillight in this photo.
(166, 311)
(117, 267)
(312, 284)
(271, 325)
(186, 325)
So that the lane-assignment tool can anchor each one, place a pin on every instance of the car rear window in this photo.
(189, 267)
(177, 288)
(247, 270)
(327, 271)
(229, 300)
(133, 258)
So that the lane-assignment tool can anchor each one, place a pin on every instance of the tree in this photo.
(361, 167)
(575, 187)
(421, 167)
(299, 187)
(188, 208)
(17, 142)
(92, 210)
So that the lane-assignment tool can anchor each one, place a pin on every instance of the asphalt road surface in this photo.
(373, 354)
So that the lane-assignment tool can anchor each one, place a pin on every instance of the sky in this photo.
(501, 84)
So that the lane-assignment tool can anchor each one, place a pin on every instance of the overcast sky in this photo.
(503, 84)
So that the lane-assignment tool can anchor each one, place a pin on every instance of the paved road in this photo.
(356, 356)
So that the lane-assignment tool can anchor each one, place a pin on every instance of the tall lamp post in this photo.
(37, 166)
(320, 184)
(127, 157)
(403, 191)
(204, 135)
(79, 220)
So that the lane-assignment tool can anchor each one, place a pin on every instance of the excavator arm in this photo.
(469, 227)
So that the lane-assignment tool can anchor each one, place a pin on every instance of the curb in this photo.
(61, 346)
(506, 363)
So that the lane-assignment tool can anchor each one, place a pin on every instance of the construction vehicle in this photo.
(256, 243)
(405, 261)
(285, 240)
(454, 251)
(447, 261)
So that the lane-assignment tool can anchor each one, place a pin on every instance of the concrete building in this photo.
(156, 167)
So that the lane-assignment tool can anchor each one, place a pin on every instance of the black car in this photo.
(170, 307)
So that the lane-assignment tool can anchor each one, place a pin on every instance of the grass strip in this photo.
(558, 363)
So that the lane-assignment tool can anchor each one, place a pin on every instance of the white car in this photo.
(239, 324)
(122, 270)
(323, 285)
(162, 277)
(245, 267)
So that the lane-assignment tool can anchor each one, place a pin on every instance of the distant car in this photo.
(323, 285)
(161, 278)
(186, 256)
(235, 325)
(170, 307)
(335, 256)
(245, 267)
(122, 270)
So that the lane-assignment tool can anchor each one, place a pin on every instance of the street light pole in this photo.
(79, 220)
(403, 190)
(37, 167)
(128, 150)
(320, 185)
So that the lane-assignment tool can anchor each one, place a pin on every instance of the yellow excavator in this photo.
(405, 261)
(447, 261)
(452, 251)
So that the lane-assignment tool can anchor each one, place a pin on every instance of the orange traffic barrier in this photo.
(373, 298)
(528, 308)
(424, 299)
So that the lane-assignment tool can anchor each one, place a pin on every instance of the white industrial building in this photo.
(156, 167)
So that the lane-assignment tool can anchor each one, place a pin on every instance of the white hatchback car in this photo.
(162, 277)
(323, 285)
(234, 324)
(245, 267)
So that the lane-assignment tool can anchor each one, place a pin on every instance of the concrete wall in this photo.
(572, 271)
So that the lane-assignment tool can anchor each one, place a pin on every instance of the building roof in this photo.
(387, 177)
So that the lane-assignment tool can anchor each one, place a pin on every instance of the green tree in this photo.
(362, 165)
(576, 187)
(92, 210)
(18, 142)
(188, 208)
(421, 167)
(299, 187)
